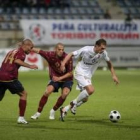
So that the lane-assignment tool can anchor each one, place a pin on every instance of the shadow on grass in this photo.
(45, 127)
(72, 120)
(106, 122)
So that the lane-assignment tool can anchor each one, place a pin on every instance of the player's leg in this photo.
(72, 106)
(68, 107)
(78, 87)
(81, 102)
(62, 98)
(43, 101)
(22, 106)
(86, 89)
(81, 98)
(15, 87)
(66, 88)
(85, 86)
(59, 102)
(89, 89)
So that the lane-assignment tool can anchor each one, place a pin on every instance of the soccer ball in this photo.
(114, 116)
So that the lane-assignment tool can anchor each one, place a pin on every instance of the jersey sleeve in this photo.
(44, 54)
(106, 57)
(19, 55)
(78, 53)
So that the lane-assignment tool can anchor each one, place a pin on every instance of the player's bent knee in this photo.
(23, 95)
(64, 95)
(91, 91)
(47, 94)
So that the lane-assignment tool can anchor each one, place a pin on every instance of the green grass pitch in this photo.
(91, 121)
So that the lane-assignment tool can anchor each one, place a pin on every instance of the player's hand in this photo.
(33, 67)
(115, 79)
(56, 79)
(35, 50)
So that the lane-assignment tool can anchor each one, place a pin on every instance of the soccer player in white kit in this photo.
(89, 59)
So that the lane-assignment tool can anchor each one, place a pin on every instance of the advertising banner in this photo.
(85, 32)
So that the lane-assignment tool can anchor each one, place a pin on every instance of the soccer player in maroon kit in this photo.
(58, 79)
(9, 75)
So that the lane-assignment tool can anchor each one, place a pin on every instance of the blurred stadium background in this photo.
(75, 23)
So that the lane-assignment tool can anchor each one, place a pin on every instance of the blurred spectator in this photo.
(32, 3)
(107, 14)
(47, 2)
(1, 18)
(128, 19)
(60, 3)
(41, 3)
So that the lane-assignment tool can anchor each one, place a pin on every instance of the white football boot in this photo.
(21, 120)
(62, 114)
(36, 116)
(52, 114)
(73, 108)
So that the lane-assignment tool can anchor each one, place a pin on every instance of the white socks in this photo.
(78, 101)
(81, 96)
(67, 108)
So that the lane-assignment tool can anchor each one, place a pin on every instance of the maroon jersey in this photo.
(9, 69)
(55, 62)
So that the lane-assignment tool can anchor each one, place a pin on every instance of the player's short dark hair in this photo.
(23, 42)
(26, 41)
(101, 41)
(59, 44)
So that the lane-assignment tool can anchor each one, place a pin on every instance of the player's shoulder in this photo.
(18, 51)
(65, 54)
(105, 54)
(84, 49)
(50, 53)
(88, 48)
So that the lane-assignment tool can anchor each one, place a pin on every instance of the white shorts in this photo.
(82, 81)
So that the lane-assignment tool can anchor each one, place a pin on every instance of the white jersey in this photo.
(89, 60)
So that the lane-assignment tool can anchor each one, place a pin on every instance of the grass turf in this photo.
(91, 121)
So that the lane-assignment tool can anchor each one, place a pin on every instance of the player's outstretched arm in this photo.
(66, 59)
(21, 63)
(36, 50)
(111, 68)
